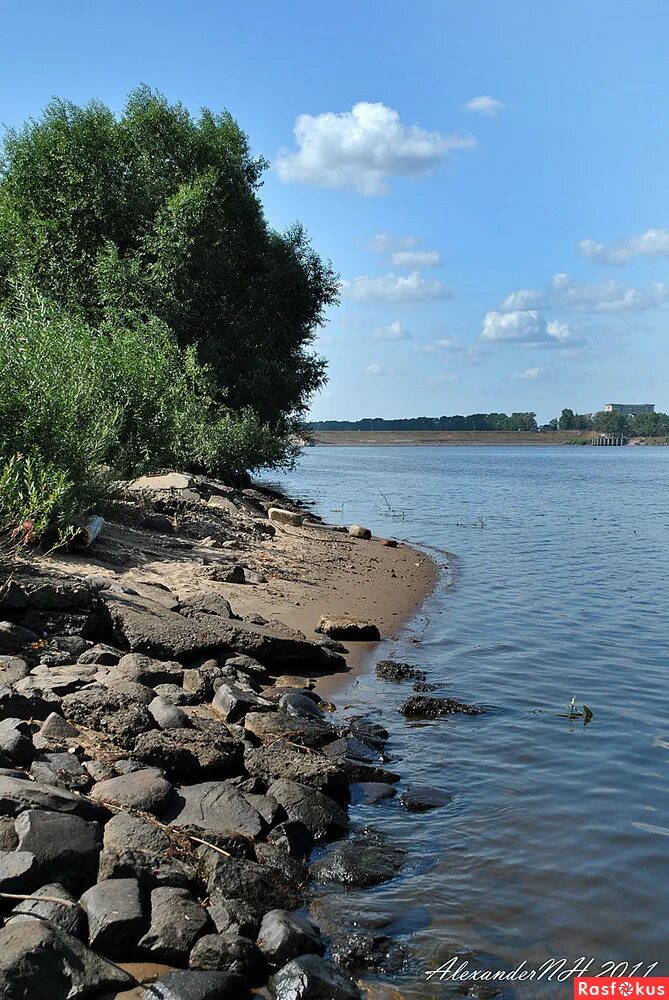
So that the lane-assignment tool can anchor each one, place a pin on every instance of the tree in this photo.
(157, 214)
(566, 421)
(611, 423)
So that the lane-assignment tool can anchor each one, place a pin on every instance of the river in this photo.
(555, 842)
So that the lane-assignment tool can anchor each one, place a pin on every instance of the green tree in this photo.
(567, 420)
(611, 423)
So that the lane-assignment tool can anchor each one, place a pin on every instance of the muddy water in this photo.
(555, 842)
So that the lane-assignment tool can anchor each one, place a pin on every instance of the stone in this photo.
(249, 665)
(173, 694)
(8, 839)
(391, 670)
(232, 702)
(13, 669)
(31, 705)
(215, 806)
(57, 768)
(357, 531)
(206, 603)
(56, 728)
(300, 706)
(14, 637)
(198, 682)
(230, 953)
(17, 795)
(68, 915)
(114, 912)
(293, 838)
(114, 711)
(357, 771)
(186, 754)
(360, 950)
(285, 935)
(177, 921)
(54, 682)
(167, 716)
(146, 790)
(38, 959)
(370, 792)
(364, 860)
(261, 887)
(353, 749)
(19, 872)
(66, 848)
(313, 770)
(233, 916)
(102, 655)
(321, 815)
(372, 733)
(157, 522)
(73, 645)
(166, 481)
(348, 628)
(310, 977)
(147, 670)
(423, 798)
(282, 516)
(269, 727)
(196, 985)
(426, 707)
(389, 543)
(16, 741)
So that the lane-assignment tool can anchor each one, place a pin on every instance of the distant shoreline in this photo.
(462, 438)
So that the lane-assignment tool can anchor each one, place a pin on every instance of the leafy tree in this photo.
(611, 423)
(566, 421)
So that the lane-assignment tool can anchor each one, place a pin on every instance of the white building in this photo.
(630, 409)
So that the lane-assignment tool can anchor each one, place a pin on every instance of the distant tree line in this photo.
(639, 425)
(474, 422)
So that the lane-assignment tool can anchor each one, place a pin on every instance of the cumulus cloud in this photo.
(402, 288)
(393, 332)
(375, 369)
(361, 148)
(522, 326)
(387, 243)
(528, 374)
(484, 105)
(651, 243)
(524, 298)
(568, 295)
(416, 258)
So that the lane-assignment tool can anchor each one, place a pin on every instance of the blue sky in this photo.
(489, 177)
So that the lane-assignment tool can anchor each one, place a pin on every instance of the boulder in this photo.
(186, 754)
(12, 669)
(68, 915)
(17, 795)
(285, 935)
(391, 670)
(322, 816)
(215, 806)
(370, 792)
(423, 798)
(38, 959)
(372, 733)
(282, 516)
(173, 694)
(300, 706)
(357, 531)
(147, 670)
(280, 760)
(310, 977)
(114, 912)
(66, 848)
(365, 860)
(293, 838)
(19, 872)
(250, 666)
(230, 953)
(58, 768)
(14, 637)
(356, 771)
(353, 749)
(160, 482)
(232, 702)
(426, 707)
(157, 522)
(16, 741)
(269, 727)
(147, 626)
(31, 705)
(261, 887)
(166, 715)
(233, 916)
(56, 728)
(364, 950)
(196, 985)
(8, 839)
(112, 711)
(198, 682)
(146, 790)
(206, 603)
(353, 629)
(57, 681)
(177, 921)
(101, 655)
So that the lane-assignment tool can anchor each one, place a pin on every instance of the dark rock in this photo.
(285, 935)
(66, 848)
(157, 522)
(146, 790)
(321, 815)
(372, 733)
(300, 706)
(215, 806)
(293, 869)
(195, 985)
(189, 753)
(292, 837)
(348, 628)
(14, 637)
(56, 728)
(146, 670)
(146, 626)
(53, 682)
(150, 870)
(32, 705)
(110, 711)
(369, 792)
(38, 959)
(354, 749)
(230, 953)
(422, 798)
(174, 695)
(359, 950)
(233, 916)
(355, 771)
(16, 741)
(114, 912)
(206, 603)
(177, 921)
(19, 872)
(17, 795)
(68, 915)
(357, 531)
(424, 686)
(8, 839)
(391, 670)
(73, 645)
(271, 726)
(167, 716)
(102, 655)
(63, 769)
(12, 669)
(250, 666)
(313, 770)
(310, 977)
(425, 707)
(261, 887)
(365, 860)
(232, 702)
(199, 682)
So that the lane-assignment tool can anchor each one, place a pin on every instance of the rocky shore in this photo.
(166, 764)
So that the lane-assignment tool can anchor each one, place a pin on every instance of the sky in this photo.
(489, 177)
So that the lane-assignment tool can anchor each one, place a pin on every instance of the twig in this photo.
(39, 899)
(172, 833)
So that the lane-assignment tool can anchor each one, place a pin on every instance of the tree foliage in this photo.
(474, 422)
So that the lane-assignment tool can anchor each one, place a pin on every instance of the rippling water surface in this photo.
(555, 843)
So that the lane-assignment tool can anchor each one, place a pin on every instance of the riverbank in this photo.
(452, 438)
(158, 689)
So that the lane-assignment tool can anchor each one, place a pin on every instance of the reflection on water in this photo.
(555, 841)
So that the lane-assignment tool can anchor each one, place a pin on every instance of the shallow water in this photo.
(555, 844)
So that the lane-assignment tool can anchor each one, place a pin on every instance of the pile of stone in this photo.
(165, 771)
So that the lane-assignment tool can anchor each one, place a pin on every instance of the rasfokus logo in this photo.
(648, 986)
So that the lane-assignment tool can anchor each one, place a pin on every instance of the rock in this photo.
(269, 727)
(8, 839)
(391, 670)
(62, 769)
(31, 705)
(38, 959)
(19, 872)
(293, 838)
(230, 953)
(56, 728)
(215, 806)
(356, 771)
(299, 706)
(152, 868)
(313, 770)
(285, 516)
(166, 481)
(12, 669)
(195, 985)
(206, 603)
(101, 655)
(348, 628)
(73, 645)
(167, 716)
(146, 670)
(365, 860)
(53, 682)
(146, 626)
(425, 707)
(294, 681)
(68, 915)
(292, 869)
(354, 749)
(261, 887)
(232, 702)
(66, 848)
(114, 912)
(321, 815)
(146, 790)
(233, 916)
(191, 753)
(422, 798)
(372, 733)
(357, 531)
(364, 950)
(112, 711)
(177, 921)
(285, 935)
(248, 665)
(14, 637)
(157, 522)
(370, 792)
(310, 977)
(389, 543)
(173, 694)
(16, 796)
(16, 741)
(199, 682)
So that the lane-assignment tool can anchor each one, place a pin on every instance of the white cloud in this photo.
(528, 374)
(524, 298)
(416, 258)
(443, 344)
(393, 332)
(568, 295)
(361, 148)
(386, 243)
(522, 326)
(651, 243)
(468, 354)
(375, 369)
(484, 105)
(395, 288)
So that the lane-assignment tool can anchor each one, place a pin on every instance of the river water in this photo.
(555, 842)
